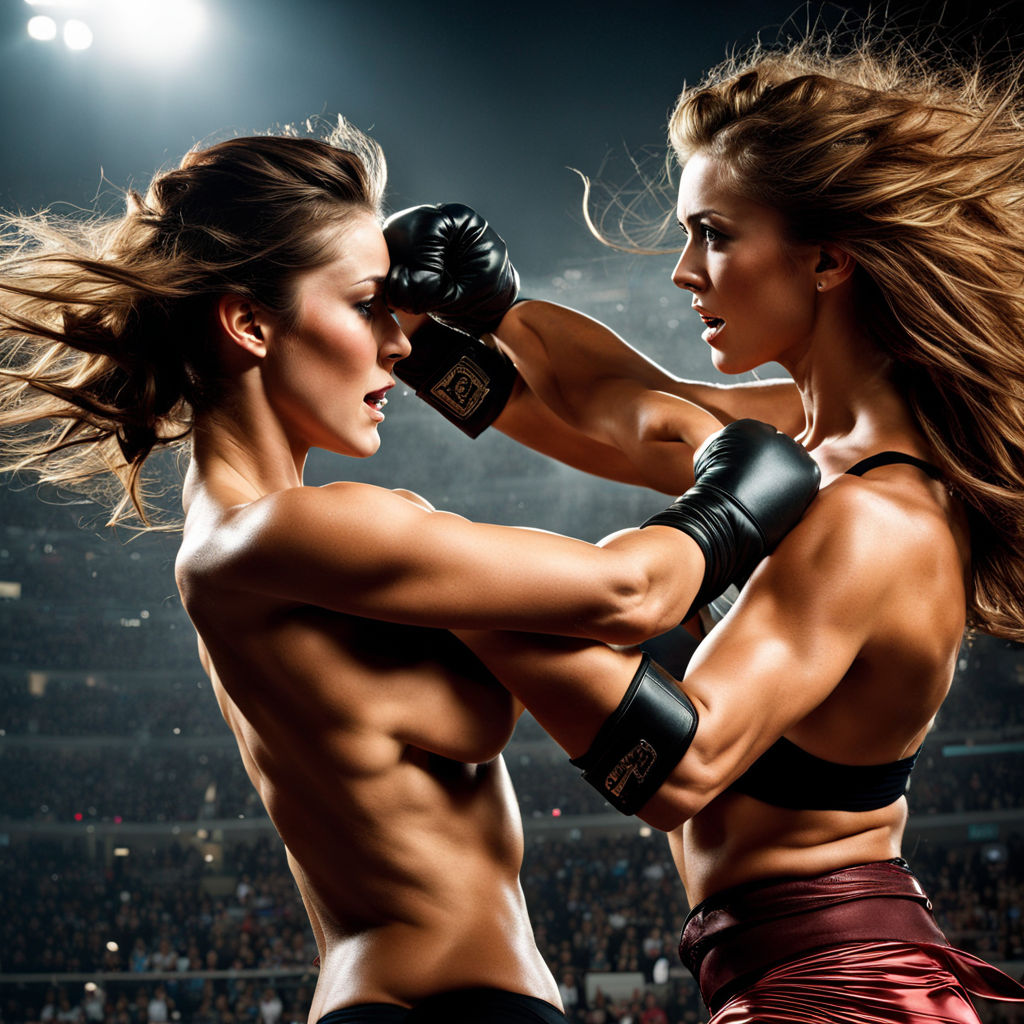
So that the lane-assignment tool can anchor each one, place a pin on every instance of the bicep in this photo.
(370, 552)
(571, 402)
(772, 401)
(583, 389)
(563, 355)
(528, 420)
(800, 623)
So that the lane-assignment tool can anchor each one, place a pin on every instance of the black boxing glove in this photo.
(447, 261)
(752, 485)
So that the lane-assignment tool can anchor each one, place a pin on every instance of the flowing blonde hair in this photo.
(106, 330)
(915, 168)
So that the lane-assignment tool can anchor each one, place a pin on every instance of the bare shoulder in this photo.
(881, 547)
(291, 528)
(867, 586)
(897, 514)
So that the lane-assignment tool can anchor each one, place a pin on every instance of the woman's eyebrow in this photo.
(694, 217)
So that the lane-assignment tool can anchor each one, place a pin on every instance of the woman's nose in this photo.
(686, 275)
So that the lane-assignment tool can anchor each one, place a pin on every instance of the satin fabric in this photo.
(866, 983)
(859, 944)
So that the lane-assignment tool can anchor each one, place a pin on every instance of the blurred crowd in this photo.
(601, 904)
(141, 782)
(104, 718)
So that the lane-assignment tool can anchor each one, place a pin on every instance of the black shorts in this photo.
(462, 1006)
(367, 1013)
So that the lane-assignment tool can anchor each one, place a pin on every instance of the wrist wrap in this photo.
(465, 380)
(730, 553)
(642, 740)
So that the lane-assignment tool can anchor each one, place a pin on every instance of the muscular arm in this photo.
(366, 551)
(371, 552)
(805, 616)
(582, 394)
(588, 398)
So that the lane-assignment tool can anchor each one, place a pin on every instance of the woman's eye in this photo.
(707, 234)
(365, 309)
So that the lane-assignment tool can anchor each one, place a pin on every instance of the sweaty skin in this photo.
(815, 657)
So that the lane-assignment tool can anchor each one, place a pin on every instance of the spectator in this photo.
(271, 1007)
(652, 1012)
(158, 1010)
(94, 1002)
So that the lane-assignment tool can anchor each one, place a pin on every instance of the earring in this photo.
(821, 284)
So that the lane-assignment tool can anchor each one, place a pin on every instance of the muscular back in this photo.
(845, 642)
(375, 748)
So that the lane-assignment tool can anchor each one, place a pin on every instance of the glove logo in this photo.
(636, 764)
(463, 388)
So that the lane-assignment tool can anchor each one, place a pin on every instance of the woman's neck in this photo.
(846, 385)
(240, 455)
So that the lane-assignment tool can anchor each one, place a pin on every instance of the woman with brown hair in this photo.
(857, 217)
(239, 306)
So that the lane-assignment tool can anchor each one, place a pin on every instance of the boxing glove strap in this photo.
(642, 740)
(465, 380)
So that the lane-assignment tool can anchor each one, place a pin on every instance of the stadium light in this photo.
(156, 27)
(145, 30)
(77, 35)
(42, 27)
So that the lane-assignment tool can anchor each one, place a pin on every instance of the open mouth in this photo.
(376, 400)
(713, 325)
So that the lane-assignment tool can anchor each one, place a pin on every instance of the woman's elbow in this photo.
(673, 805)
(639, 614)
(692, 784)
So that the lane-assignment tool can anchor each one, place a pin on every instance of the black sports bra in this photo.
(787, 776)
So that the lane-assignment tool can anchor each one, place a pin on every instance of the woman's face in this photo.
(327, 375)
(752, 287)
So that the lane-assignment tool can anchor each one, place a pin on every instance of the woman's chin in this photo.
(724, 363)
(367, 447)
(732, 364)
(354, 447)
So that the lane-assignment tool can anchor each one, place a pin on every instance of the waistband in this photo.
(484, 1004)
(746, 930)
(493, 1005)
(367, 1013)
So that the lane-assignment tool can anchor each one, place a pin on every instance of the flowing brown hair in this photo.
(106, 340)
(915, 167)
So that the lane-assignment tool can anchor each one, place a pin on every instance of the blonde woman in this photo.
(239, 305)
(859, 219)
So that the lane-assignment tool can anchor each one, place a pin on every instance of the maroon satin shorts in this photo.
(859, 945)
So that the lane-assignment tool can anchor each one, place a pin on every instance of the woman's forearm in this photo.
(599, 387)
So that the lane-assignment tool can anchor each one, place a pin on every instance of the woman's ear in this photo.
(241, 321)
(834, 266)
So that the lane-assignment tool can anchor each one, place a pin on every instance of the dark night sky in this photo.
(480, 102)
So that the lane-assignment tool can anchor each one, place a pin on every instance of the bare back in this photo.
(375, 748)
(893, 673)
